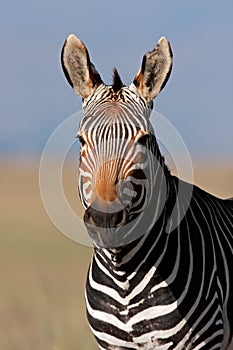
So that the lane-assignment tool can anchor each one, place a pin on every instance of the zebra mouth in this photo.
(108, 229)
(100, 219)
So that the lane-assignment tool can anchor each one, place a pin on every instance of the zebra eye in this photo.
(81, 140)
(143, 140)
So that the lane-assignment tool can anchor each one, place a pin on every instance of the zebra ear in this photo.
(155, 70)
(78, 69)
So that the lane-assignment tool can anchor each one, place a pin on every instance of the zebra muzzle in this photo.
(106, 228)
(101, 219)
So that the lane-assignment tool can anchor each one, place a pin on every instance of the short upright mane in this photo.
(117, 82)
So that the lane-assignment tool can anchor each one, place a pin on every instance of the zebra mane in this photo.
(117, 82)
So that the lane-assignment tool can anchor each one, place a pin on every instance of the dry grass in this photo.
(42, 272)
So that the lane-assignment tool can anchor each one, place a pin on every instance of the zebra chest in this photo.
(130, 314)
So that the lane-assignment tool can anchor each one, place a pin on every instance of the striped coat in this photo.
(160, 276)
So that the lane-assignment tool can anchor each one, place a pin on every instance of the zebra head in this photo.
(118, 151)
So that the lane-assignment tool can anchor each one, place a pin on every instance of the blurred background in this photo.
(42, 272)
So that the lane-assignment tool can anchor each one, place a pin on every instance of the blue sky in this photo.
(35, 98)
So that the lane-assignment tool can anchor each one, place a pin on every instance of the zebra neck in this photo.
(165, 187)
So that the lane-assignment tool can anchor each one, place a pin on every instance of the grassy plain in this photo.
(42, 272)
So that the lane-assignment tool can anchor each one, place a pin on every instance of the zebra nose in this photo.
(104, 219)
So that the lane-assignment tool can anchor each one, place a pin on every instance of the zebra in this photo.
(150, 284)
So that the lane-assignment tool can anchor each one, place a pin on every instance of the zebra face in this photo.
(113, 166)
(117, 142)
